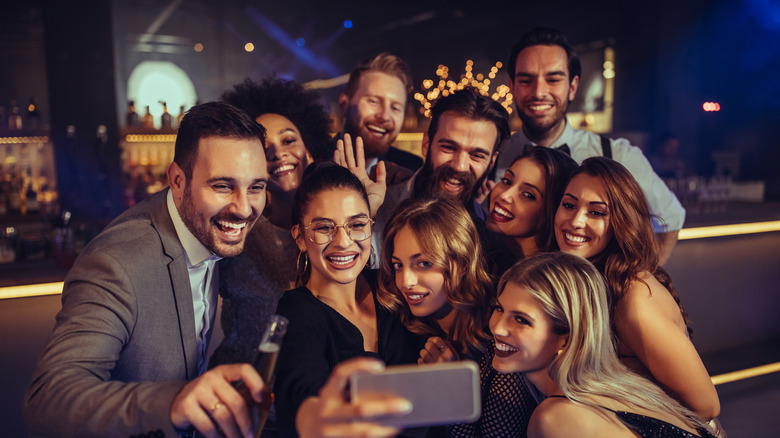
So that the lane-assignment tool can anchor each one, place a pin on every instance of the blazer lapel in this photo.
(180, 282)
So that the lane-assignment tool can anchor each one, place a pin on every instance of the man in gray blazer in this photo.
(127, 354)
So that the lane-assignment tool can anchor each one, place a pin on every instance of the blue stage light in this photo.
(347, 24)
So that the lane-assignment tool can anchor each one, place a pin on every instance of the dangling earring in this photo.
(371, 257)
(305, 262)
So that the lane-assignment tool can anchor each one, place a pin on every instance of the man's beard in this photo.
(373, 148)
(429, 183)
(538, 129)
(203, 228)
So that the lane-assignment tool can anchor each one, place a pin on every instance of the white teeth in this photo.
(230, 227)
(575, 239)
(505, 348)
(283, 168)
(376, 129)
(502, 212)
(416, 297)
(540, 107)
(342, 260)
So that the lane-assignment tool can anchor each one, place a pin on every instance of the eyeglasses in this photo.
(322, 231)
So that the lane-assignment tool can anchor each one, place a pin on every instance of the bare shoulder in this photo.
(559, 417)
(646, 298)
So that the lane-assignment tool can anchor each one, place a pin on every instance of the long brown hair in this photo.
(447, 235)
(634, 248)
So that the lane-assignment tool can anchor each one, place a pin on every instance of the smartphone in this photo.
(443, 393)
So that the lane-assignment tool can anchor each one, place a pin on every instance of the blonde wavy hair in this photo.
(448, 237)
(574, 296)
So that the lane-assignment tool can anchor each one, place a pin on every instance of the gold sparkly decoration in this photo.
(433, 89)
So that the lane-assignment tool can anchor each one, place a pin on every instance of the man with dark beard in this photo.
(460, 148)
(127, 355)
(544, 73)
(373, 106)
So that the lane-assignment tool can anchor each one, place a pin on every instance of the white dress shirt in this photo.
(204, 278)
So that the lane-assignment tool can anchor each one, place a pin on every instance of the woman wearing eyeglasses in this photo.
(334, 315)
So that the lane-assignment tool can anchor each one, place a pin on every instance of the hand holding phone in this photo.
(442, 393)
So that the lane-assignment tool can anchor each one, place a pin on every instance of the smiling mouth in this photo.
(577, 240)
(501, 214)
(415, 297)
(284, 168)
(452, 185)
(340, 261)
(231, 228)
(376, 129)
(505, 348)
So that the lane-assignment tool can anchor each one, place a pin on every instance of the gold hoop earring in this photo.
(371, 257)
(305, 262)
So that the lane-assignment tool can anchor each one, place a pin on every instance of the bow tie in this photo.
(562, 148)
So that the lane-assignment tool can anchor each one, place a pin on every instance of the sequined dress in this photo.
(507, 404)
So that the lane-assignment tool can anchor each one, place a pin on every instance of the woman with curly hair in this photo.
(298, 132)
(604, 217)
(433, 277)
(551, 322)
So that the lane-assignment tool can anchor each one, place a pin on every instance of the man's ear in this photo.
(177, 181)
(575, 83)
(426, 142)
(298, 237)
(343, 103)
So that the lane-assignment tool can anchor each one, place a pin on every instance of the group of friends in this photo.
(537, 255)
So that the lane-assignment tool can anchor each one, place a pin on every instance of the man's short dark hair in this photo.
(469, 103)
(544, 36)
(212, 119)
(291, 100)
(383, 63)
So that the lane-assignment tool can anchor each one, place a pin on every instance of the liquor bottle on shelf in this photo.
(31, 199)
(14, 117)
(180, 116)
(148, 120)
(166, 119)
(3, 193)
(14, 193)
(132, 119)
(33, 115)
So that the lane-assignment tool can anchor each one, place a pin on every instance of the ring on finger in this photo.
(216, 406)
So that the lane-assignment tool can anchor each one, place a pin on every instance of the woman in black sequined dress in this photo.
(551, 322)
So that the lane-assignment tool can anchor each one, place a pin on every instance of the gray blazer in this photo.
(124, 342)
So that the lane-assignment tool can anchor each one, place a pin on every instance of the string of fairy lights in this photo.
(446, 85)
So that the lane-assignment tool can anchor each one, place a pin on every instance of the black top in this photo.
(650, 427)
(507, 404)
(318, 338)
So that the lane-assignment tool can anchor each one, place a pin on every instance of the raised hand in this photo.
(354, 159)
(331, 415)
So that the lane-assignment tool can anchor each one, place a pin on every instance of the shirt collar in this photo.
(195, 251)
(564, 138)
(370, 163)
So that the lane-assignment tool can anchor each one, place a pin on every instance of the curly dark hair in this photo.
(289, 99)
